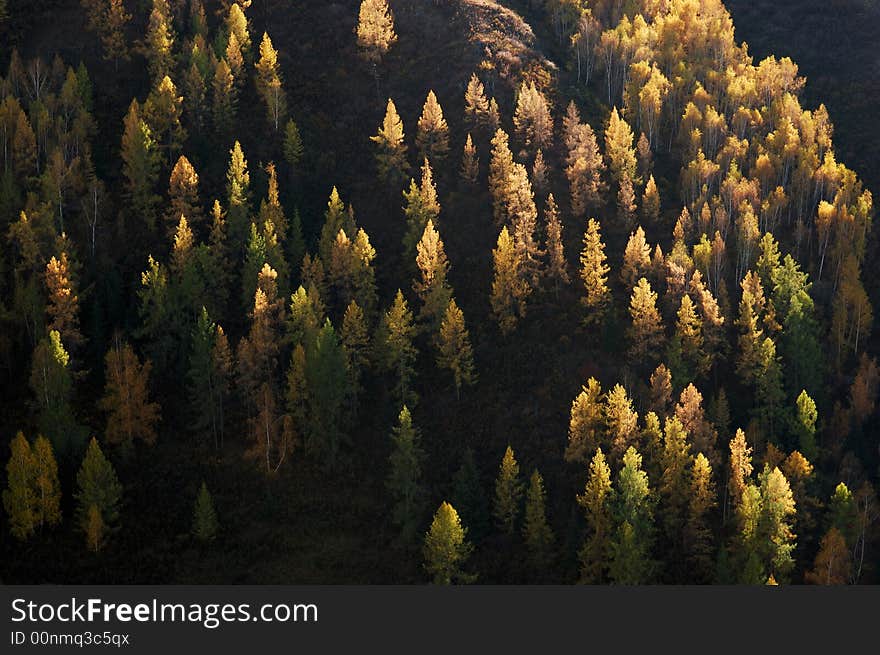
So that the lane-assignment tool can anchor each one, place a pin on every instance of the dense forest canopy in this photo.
(546, 291)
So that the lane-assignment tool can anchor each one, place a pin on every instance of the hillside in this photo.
(627, 336)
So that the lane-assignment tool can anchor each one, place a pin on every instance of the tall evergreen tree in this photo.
(391, 155)
(597, 503)
(446, 549)
(454, 348)
(432, 286)
(508, 493)
(404, 475)
(509, 290)
(594, 273)
(19, 497)
(205, 523)
(98, 488)
(432, 132)
(269, 82)
(130, 413)
(537, 533)
(631, 561)
(396, 335)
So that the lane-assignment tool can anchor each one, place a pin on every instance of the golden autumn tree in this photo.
(63, 301)
(476, 108)
(532, 119)
(432, 132)
(432, 286)
(454, 348)
(391, 155)
(646, 329)
(509, 290)
(594, 274)
(269, 82)
(183, 194)
(375, 33)
(19, 497)
(556, 269)
(130, 413)
(636, 258)
(470, 163)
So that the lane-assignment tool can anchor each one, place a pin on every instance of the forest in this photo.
(447, 291)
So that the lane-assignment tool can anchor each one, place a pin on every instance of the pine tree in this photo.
(404, 475)
(621, 420)
(470, 163)
(626, 203)
(689, 337)
(454, 348)
(619, 148)
(269, 82)
(468, 495)
(159, 41)
(596, 502)
(326, 382)
(631, 561)
(805, 425)
(674, 488)
(183, 194)
(397, 333)
(335, 219)
(375, 30)
(355, 338)
(19, 497)
(47, 487)
(391, 155)
(421, 206)
(557, 265)
(586, 423)
(99, 488)
(162, 111)
(237, 24)
(52, 384)
(238, 181)
(651, 202)
(500, 169)
(537, 533)
(775, 523)
(523, 216)
(661, 390)
(646, 330)
(636, 258)
(293, 145)
(540, 174)
(594, 273)
(63, 301)
(432, 132)
(476, 108)
(205, 523)
(532, 119)
(509, 290)
(432, 286)
(697, 531)
(140, 162)
(130, 414)
(508, 494)
(224, 98)
(584, 169)
(235, 59)
(206, 378)
(113, 33)
(446, 549)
